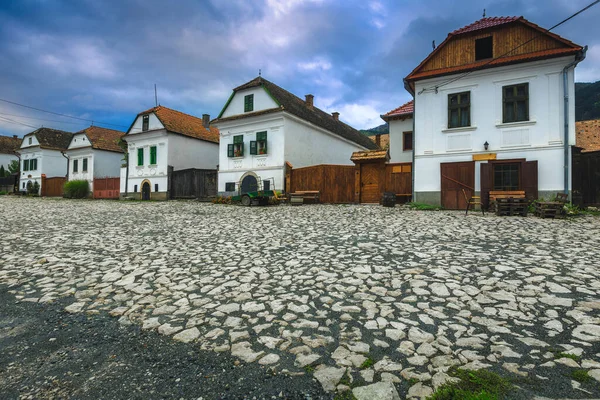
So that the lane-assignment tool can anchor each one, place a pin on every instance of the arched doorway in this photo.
(146, 190)
(249, 184)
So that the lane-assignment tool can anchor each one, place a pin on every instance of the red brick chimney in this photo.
(310, 100)
(336, 115)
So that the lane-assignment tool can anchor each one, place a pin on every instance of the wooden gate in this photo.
(193, 184)
(335, 182)
(107, 188)
(456, 177)
(53, 187)
(371, 182)
(586, 178)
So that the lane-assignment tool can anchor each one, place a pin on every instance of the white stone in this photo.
(187, 335)
(329, 377)
(420, 391)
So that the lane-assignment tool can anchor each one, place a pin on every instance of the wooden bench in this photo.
(552, 209)
(298, 198)
(508, 202)
(405, 197)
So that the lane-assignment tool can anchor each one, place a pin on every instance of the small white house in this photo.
(263, 126)
(400, 122)
(42, 154)
(8, 150)
(95, 153)
(494, 110)
(160, 138)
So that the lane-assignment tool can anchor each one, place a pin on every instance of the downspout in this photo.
(126, 167)
(414, 139)
(578, 58)
(68, 162)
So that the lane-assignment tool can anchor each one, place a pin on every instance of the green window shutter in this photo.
(75, 162)
(249, 103)
(25, 165)
(153, 155)
(34, 164)
(140, 156)
(238, 139)
(253, 147)
(261, 135)
(229, 150)
(84, 166)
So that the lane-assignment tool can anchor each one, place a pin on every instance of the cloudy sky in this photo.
(99, 60)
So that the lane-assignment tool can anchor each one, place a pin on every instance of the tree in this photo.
(2, 172)
(13, 167)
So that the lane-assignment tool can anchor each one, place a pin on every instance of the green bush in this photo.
(2, 192)
(33, 189)
(77, 189)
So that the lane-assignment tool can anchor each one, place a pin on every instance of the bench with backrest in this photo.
(300, 196)
(552, 209)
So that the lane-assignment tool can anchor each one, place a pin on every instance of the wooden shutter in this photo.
(153, 155)
(529, 179)
(84, 167)
(253, 147)
(261, 136)
(249, 103)
(230, 150)
(140, 156)
(486, 183)
(25, 165)
(238, 139)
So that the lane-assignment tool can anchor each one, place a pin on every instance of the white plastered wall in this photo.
(397, 129)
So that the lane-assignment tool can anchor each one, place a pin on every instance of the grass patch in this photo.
(347, 395)
(309, 369)
(473, 385)
(367, 363)
(567, 355)
(423, 207)
(580, 375)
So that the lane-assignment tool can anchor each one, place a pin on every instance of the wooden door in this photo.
(145, 191)
(370, 180)
(456, 177)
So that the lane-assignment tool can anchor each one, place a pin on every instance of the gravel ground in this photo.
(350, 294)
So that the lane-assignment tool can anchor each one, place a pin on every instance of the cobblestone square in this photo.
(352, 294)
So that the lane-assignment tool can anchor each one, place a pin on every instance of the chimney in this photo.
(336, 115)
(309, 100)
(206, 120)
(15, 137)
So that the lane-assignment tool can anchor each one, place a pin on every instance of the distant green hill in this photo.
(378, 130)
(587, 101)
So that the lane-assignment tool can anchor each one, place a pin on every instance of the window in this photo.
(25, 165)
(515, 101)
(484, 48)
(33, 164)
(84, 165)
(459, 110)
(156, 187)
(145, 122)
(75, 165)
(237, 148)
(249, 103)
(140, 157)
(230, 186)
(153, 155)
(407, 138)
(506, 176)
(30, 140)
(134, 188)
(259, 146)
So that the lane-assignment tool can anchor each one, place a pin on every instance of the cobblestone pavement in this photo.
(351, 294)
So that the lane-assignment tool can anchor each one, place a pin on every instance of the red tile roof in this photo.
(103, 139)
(485, 23)
(588, 135)
(183, 124)
(405, 110)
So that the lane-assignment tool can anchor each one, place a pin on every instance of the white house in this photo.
(400, 122)
(95, 153)
(42, 154)
(494, 110)
(263, 126)
(8, 150)
(160, 138)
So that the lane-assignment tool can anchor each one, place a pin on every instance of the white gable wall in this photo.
(540, 138)
(153, 124)
(397, 129)
(155, 174)
(262, 101)
(79, 140)
(25, 142)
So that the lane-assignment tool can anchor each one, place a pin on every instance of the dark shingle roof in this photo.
(298, 107)
(9, 144)
(103, 139)
(177, 122)
(52, 138)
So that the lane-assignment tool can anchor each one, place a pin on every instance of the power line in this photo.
(12, 121)
(64, 115)
(43, 119)
(435, 87)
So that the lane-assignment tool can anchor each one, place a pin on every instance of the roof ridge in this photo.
(484, 23)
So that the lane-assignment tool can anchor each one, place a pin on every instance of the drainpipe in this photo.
(578, 58)
(414, 139)
(68, 160)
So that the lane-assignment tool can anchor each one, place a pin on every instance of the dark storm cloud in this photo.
(100, 60)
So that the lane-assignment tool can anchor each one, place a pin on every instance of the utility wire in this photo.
(511, 50)
(43, 119)
(64, 115)
(12, 121)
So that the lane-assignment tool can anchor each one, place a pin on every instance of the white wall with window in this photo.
(517, 110)
(239, 103)
(401, 140)
(36, 161)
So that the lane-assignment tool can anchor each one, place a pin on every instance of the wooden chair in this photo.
(472, 201)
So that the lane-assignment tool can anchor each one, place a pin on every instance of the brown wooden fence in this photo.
(586, 178)
(107, 188)
(338, 183)
(335, 182)
(193, 184)
(53, 187)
